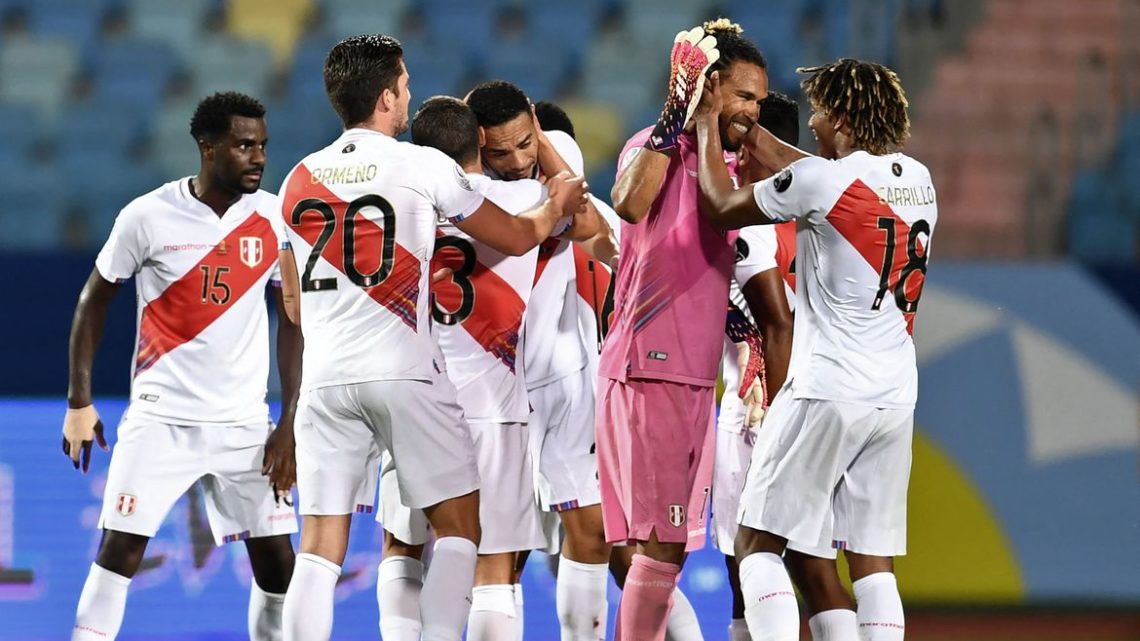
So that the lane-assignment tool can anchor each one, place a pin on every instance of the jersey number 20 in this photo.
(348, 240)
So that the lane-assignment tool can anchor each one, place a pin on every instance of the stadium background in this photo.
(1025, 501)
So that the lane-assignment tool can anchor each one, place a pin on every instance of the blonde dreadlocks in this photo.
(868, 95)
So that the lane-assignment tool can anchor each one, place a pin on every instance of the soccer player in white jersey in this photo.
(558, 381)
(361, 215)
(760, 294)
(202, 251)
(478, 314)
(832, 463)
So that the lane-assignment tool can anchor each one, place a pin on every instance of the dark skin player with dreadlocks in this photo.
(832, 463)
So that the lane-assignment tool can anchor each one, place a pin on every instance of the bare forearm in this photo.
(602, 246)
(777, 355)
(290, 345)
(637, 187)
(712, 173)
(530, 228)
(773, 153)
(86, 332)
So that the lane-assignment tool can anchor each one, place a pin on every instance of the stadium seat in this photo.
(351, 17)
(539, 75)
(37, 71)
(434, 70)
(463, 24)
(571, 27)
(176, 22)
(1098, 230)
(133, 71)
(78, 21)
(33, 208)
(306, 77)
(19, 128)
(228, 64)
(111, 126)
(278, 24)
(171, 146)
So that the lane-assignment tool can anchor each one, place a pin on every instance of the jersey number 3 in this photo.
(348, 241)
(916, 262)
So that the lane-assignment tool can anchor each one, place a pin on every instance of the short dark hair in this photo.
(780, 115)
(357, 71)
(211, 118)
(551, 117)
(449, 125)
(732, 45)
(496, 102)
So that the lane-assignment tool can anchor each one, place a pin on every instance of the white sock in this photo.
(738, 631)
(834, 625)
(682, 624)
(308, 611)
(769, 600)
(101, 606)
(580, 597)
(399, 580)
(265, 614)
(445, 600)
(519, 611)
(880, 611)
(492, 613)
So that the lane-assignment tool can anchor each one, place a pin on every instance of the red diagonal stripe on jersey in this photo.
(594, 282)
(856, 217)
(546, 251)
(496, 316)
(399, 293)
(180, 313)
(786, 251)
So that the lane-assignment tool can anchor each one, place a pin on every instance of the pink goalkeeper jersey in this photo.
(672, 282)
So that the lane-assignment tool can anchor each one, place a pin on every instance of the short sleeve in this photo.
(794, 192)
(126, 248)
(448, 186)
(568, 148)
(632, 148)
(755, 252)
(277, 223)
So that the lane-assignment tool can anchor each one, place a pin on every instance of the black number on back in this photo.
(328, 228)
(462, 279)
(916, 262)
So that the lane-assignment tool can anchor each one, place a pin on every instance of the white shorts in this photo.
(345, 427)
(833, 473)
(154, 463)
(508, 514)
(733, 452)
(562, 442)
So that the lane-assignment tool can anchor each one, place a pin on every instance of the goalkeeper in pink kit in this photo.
(659, 364)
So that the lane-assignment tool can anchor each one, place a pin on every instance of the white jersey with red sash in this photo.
(202, 354)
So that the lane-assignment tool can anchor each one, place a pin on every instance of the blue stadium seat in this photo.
(176, 22)
(539, 74)
(134, 71)
(228, 64)
(78, 21)
(33, 208)
(1098, 230)
(351, 17)
(573, 28)
(37, 71)
(306, 78)
(434, 70)
(103, 202)
(19, 128)
(463, 24)
(111, 126)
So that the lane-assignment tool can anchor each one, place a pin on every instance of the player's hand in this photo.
(693, 53)
(280, 460)
(569, 193)
(752, 382)
(711, 102)
(441, 274)
(82, 427)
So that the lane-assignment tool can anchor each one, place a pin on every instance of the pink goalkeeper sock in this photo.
(647, 599)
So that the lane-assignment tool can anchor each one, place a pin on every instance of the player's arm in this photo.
(639, 183)
(602, 245)
(768, 303)
(279, 461)
(770, 152)
(82, 424)
(516, 235)
(290, 287)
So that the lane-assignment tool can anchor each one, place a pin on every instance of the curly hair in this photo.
(211, 119)
(732, 44)
(867, 95)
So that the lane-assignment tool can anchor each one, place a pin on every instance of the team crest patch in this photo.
(251, 251)
(783, 180)
(461, 178)
(126, 504)
(676, 515)
(741, 249)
